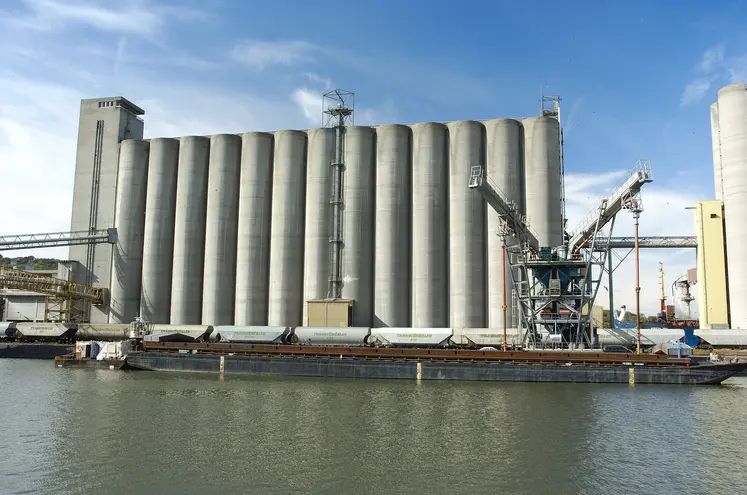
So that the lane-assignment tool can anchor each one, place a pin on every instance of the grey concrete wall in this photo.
(732, 136)
(252, 221)
(119, 122)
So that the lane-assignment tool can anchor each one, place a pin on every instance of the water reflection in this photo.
(69, 431)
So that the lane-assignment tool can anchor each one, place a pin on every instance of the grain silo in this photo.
(236, 229)
(729, 127)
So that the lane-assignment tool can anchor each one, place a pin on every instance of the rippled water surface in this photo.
(99, 431)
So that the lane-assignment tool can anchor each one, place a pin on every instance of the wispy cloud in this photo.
(711, 59)
(714, 67)
(260, 54)
(137, 17)
(309, 101)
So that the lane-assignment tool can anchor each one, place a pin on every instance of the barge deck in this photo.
(428, 364)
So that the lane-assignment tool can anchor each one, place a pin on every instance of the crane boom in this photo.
(610, 206)
(508, 210)
(53, 239)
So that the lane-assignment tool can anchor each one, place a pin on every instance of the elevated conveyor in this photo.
(515, 222)
(55, 239)
(610, 206)
(651, 242)
(65, 301)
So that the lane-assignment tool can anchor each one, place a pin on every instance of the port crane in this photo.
(64, 300)
(557, 285)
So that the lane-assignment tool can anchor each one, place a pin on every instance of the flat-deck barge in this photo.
(428, 364)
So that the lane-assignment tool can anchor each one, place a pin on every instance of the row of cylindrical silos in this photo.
(729, 137)
(235, 229)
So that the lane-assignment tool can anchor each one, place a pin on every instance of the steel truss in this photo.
(65, 301)
(54, 239)
(556, 287)
(556, 292)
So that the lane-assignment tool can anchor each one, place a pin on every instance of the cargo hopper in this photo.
(394, 354)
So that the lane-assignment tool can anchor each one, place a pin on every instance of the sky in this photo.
(636, 80)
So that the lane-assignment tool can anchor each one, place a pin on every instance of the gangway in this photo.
(515, 222)
(65, 301)
(55, 239)
(610, 206)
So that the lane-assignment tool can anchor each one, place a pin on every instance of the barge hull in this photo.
(329, 367)
(15, 350)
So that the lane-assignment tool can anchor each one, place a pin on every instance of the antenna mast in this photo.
(337, 112)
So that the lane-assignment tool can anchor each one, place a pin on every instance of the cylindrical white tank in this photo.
(732, 117)
(359, 190)
(287, 229)
(392, 238)
(716, 146)
(219, 280)
(129, 219)
(467, 267)
(253, 245)
(318, 229)
(542, 179)
(158, 239)
(504, 167)
(430, 210)
(189, 230)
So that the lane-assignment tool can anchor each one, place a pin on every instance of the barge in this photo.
(34, 350)
(428, 364)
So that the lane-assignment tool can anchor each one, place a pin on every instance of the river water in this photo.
(100, 431)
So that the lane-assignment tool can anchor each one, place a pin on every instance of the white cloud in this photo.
(260, 54)
(310, 104)
(696, 90)
(137, 17)
(310, 101)
(714, 67)
(711, 59)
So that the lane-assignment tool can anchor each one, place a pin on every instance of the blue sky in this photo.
(636, 80)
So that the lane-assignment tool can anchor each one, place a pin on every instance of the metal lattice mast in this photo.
(337, 112)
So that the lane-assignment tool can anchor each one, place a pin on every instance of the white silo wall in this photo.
(158, 238)
(542, 179)
(358, 222)
(253, 242)
(287, 229)
(129, 220)
(318, 226)
(392, 260)
(467, 270)
(189, 230)
(732, 113)
(219, 279)
(716, 147)
(430, 210)
(504, 167)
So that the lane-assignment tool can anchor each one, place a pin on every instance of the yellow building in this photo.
(712, 285)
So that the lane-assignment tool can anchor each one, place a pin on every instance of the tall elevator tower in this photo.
(104, 124)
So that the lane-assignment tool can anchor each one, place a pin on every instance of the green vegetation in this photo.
(37, 263)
